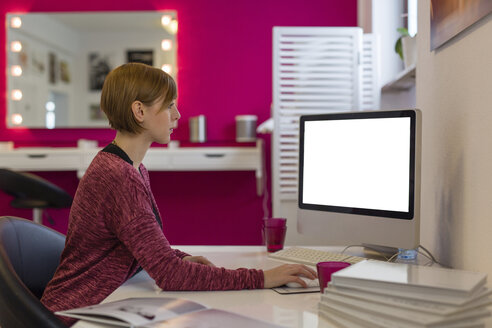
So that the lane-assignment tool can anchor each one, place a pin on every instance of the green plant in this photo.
(398, 47)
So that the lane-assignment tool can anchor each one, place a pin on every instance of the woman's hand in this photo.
(288, 273)
(198, 259)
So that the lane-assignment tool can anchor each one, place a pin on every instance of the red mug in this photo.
(274, 233)
(326, 269)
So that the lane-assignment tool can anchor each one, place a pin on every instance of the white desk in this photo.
(297, 310)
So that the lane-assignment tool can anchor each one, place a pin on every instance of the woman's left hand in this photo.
(198, 259)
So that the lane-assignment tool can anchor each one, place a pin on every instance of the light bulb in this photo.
(15, 46)
(174, 26)
(16, 70)
(167, 68)
(50, 106)
(15, 22)
(50, 120)
(16, 119)
(166, 45)
(166, 20)
(16, 94)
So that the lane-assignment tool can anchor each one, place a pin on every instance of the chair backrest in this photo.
(32, 191)
(29, 256)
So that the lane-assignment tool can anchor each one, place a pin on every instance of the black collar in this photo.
(114, 149)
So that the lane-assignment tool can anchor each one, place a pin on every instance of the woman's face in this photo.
(161, 121)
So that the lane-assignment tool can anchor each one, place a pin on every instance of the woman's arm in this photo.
(180, 254)
(198, 259)
(144, 239)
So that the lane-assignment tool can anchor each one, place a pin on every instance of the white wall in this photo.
(454, 92)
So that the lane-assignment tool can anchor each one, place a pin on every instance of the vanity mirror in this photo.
(57, 62)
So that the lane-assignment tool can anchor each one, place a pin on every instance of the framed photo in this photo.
(99, 67)
(38, 60)
(52, 68)
(449, 18)
(64, 71)
(140, 56)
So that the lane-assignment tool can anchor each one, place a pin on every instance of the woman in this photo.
(115, 226)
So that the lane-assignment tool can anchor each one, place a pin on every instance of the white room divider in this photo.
(316, 70)
(371, 76)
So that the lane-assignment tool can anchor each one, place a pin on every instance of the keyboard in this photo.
(311, 257)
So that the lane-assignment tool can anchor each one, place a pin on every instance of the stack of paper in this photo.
(394, 295)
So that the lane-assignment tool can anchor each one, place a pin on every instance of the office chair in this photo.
(29, 256)
(34, 192)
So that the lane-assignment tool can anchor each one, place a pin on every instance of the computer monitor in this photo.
(359, 178)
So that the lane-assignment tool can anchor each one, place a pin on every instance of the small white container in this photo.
(246, 128)
(173, 144)
(87, 144)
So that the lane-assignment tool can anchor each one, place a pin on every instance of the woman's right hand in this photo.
(288, 273)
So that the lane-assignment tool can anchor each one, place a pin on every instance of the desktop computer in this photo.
(359, 178)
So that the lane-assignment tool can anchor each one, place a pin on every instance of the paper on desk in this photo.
(212, 318)
(296, 290)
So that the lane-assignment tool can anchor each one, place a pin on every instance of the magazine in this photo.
(161, 312)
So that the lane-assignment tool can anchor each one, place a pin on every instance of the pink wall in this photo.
(224, 69)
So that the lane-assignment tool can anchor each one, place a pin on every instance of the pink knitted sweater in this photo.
(112, 230)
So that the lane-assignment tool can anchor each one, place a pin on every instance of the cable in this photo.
(391, 259)
(432, 257)
(368, 247)
(427, 254)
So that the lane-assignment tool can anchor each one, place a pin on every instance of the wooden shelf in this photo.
(403, 81)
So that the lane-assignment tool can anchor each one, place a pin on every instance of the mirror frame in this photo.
(55, 82)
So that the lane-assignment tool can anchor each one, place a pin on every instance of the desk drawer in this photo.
(157, 161)
(39, 161)
(213, 160)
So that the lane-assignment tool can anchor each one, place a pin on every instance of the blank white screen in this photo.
(360, 163)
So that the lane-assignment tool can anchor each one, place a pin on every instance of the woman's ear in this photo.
(138, 111)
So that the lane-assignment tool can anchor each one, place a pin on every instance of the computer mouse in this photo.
(309, 283)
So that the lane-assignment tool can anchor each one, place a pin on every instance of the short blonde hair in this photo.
(134, 82)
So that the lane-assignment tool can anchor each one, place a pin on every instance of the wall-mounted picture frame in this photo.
(52, 68)
(450, 17)
(99, 67)
(38, 62)
(140, 56)
(64, 71)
